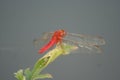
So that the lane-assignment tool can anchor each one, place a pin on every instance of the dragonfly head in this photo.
(59, 34)
(62, 32)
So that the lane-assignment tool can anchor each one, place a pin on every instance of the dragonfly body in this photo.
(56, 38)
(82, 41)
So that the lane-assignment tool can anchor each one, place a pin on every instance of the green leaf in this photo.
(19, 75)
(40, 64)
(28, 73)
(42, 76)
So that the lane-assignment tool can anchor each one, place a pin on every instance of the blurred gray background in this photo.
(23, 20)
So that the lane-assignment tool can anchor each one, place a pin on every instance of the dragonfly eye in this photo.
(63, 33)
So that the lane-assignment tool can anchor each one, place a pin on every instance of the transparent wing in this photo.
(85, 43)
(83, 47)
(86, 39)
(43, 39)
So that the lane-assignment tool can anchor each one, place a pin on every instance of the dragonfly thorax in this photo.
(59, 34)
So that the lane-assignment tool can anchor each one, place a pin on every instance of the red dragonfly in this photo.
(87, 42)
